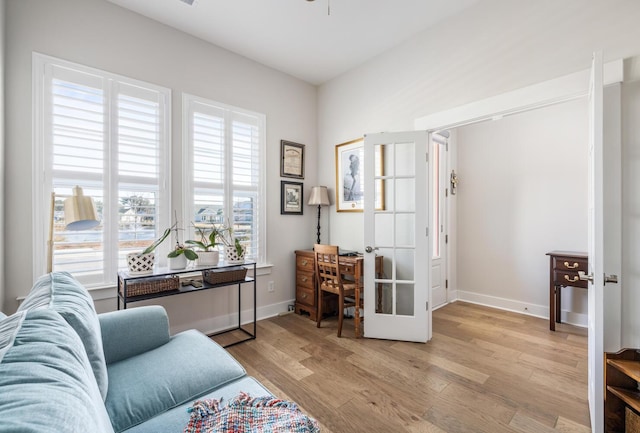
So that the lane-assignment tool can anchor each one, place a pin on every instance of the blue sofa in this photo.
(64, 368)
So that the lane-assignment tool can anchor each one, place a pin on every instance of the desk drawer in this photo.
(305, 280)
(305, 296)
(305, 263)
(570, 264)
(568, 278)
(348, 268)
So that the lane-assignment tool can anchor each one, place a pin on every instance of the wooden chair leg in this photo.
(319, 309)
(356, 313)
(340, 313)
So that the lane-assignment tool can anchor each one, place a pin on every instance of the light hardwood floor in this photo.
(485, 370)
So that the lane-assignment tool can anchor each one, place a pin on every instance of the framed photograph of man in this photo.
(350, 176)
(291, 196)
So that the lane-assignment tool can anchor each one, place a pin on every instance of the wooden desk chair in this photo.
(330, 280)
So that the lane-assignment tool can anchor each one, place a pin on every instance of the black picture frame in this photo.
(291, 198)
(291, 159)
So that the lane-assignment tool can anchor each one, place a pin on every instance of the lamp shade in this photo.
(319, 196)
(80, 211)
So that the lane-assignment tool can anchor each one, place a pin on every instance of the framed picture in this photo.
(291, 196)
(291, 159)
(350, 176)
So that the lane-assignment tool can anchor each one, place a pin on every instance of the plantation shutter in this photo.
(106, 134)
(225, 158)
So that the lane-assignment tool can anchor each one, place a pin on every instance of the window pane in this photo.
(77, 127)
(208, 148)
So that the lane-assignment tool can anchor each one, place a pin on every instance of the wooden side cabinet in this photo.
(563, 271)
(622, 399)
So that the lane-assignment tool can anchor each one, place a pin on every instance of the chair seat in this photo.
(349, 289)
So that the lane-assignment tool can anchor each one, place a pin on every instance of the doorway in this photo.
(439, 219)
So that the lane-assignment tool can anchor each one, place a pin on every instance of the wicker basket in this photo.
(224, 275)
(147, 286)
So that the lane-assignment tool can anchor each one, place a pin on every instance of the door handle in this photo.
(370, 249)
(607, 278)
(585, 277)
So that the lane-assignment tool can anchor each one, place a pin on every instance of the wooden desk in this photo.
(306, 285)
(563, 272)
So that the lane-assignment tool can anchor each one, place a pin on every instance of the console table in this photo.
(125, 279)
(563, 272)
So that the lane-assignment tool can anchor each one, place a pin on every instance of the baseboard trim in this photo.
(212, 325)
(534, 310)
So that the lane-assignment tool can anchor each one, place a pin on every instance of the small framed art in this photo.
(291, 196)
(291, 159)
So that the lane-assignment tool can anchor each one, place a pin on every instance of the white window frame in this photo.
(188, 103)
(42, 173)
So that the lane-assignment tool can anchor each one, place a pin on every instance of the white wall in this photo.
(102, 35)
(522, 192)
(494, 47)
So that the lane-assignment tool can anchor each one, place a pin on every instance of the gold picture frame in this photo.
(350, 176)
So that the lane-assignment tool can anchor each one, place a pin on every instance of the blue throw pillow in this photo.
(61, 292)
(46, 382)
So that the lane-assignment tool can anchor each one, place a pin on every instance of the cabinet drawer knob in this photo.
(304, 295)
(571, 280)
(304, 279)
(304, 263)
(570, 266)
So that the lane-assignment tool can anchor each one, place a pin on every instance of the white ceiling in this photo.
(299, 37)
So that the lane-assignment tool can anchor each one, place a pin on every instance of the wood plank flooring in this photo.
(485, 370)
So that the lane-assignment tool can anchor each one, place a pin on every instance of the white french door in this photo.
(397, 302)
(596, 246)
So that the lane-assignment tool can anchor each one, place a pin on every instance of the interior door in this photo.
(439, 295)
(397, 301)
(596, 247)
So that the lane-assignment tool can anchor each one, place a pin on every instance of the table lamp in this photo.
(319, 197)
(79, 214)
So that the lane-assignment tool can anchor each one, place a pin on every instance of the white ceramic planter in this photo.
(179, 262)
(140, 263)
(232, 257)
(208, 258)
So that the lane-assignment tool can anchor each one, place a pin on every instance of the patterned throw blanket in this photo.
(245, 414)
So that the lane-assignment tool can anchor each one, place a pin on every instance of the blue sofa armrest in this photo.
(127, 333)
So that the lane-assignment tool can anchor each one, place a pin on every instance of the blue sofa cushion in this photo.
(46, 382)
(188, 366)
(127, 333)
(176, 419)
(61, 292)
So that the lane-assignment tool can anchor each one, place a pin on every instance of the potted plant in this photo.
(208, 254)
(180, 254)
(233, 249)
(139, 263)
